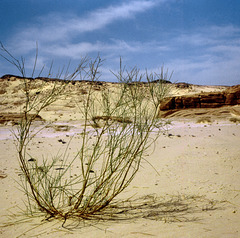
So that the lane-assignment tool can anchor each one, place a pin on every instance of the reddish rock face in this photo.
(231, 96)
(168, 103)
(191, 102)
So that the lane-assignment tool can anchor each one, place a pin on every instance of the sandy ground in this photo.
(192, 192)
(187, 186)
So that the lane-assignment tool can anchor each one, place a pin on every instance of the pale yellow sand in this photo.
(197, 166)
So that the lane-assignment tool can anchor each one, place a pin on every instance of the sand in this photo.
(188, 184)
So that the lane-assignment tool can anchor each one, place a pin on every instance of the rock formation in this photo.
(231, 96)
(16, 117)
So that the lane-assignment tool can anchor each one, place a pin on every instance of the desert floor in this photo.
(188, 186)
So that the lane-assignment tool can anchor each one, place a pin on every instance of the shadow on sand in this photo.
(180, 208)
(167, 209)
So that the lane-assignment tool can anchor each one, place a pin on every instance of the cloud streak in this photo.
(55, 27)
(216, 59)
(77, 50)
(103, 17)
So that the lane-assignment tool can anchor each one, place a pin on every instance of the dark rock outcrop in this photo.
(183, 85)
(231, 96)
(16, 117)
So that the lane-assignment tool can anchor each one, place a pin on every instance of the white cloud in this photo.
(55, 27)
(226, 50)
(222, 31)
(117, 47)
(207, 56)
(208, 73)
(212, 35)
(102, 17)
(196, 39)
(207, 69)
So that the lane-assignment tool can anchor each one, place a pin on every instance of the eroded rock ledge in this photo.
(230, 96)
(16, 117)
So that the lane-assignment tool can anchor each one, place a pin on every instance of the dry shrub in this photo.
(107, 158)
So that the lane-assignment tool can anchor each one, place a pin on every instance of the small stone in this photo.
(31, 160)
(62, 141)
(2, 174)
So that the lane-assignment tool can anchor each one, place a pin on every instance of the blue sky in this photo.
(197, 39)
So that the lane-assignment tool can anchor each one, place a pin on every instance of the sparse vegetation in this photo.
(108, 157)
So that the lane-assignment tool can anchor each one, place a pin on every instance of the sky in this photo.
(197, 40)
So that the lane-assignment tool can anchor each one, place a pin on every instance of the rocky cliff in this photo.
(230, 96)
